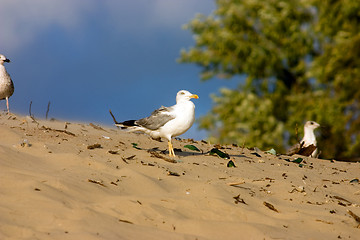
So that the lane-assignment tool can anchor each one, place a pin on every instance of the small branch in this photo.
(158, 155)
(47, 110)
(235, 183)
(125, 221)
(116, 122)
(93, 146)
(356, 217)
(96, 182)
(238, 199)
(32, 116)
(270, 206)
(170, 173)
(97, 127)
(30, 110)
(243, 146)
(59, 130)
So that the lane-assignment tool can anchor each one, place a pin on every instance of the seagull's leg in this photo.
(171, 150)
(7, 104)
(169, 147)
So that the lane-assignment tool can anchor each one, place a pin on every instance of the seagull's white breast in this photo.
(310, 139)
(184, 113)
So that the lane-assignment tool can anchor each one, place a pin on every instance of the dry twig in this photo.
(270, 206)
(30, 110)
(96, 182)
(96, 127)
(112, 115)
(93, 146)
(58, 130)
(235, 183)
(356, 217)
(47, 110)
(125, 221)
(158, 155)
(238, 199)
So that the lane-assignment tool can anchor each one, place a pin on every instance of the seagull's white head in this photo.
(184, 95)
(311, 125)
(3, 59)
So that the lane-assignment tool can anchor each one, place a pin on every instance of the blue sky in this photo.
(87, 57)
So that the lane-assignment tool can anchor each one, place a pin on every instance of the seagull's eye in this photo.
(311, 123)
(182, 93)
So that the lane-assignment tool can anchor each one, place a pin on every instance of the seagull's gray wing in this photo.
(301, 150)
(6, 87)
(157, 119)
(307, 151)
(295, 149)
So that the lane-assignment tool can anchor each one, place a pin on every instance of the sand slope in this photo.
(53, 187)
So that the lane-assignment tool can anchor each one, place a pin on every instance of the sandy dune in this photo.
(54, 186)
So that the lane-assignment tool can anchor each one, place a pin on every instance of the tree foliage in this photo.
(301, 59)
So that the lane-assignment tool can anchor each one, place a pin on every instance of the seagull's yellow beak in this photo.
(194, 96)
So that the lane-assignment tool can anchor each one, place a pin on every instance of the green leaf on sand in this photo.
(135, 145)
(221, 154)
(231, 164)
(298, 160)
(192, 147)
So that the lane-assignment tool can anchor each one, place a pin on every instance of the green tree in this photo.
(301, 59)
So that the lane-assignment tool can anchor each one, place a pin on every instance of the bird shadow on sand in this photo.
(164, 154)
(183, 153)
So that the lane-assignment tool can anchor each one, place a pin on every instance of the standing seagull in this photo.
(308, 140)
(6, 84)
(166, 122)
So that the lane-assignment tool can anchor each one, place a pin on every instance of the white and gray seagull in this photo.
(166, 122)
(308, 139)
(6, 84)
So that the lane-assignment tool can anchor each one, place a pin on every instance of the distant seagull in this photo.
(6, 84)
(166, 122)
(307, 145)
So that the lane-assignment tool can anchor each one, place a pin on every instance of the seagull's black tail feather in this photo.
(129, 123)
(126, 124)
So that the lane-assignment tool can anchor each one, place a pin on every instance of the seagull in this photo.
(308, 141)
(166, 122)
(6, 84)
